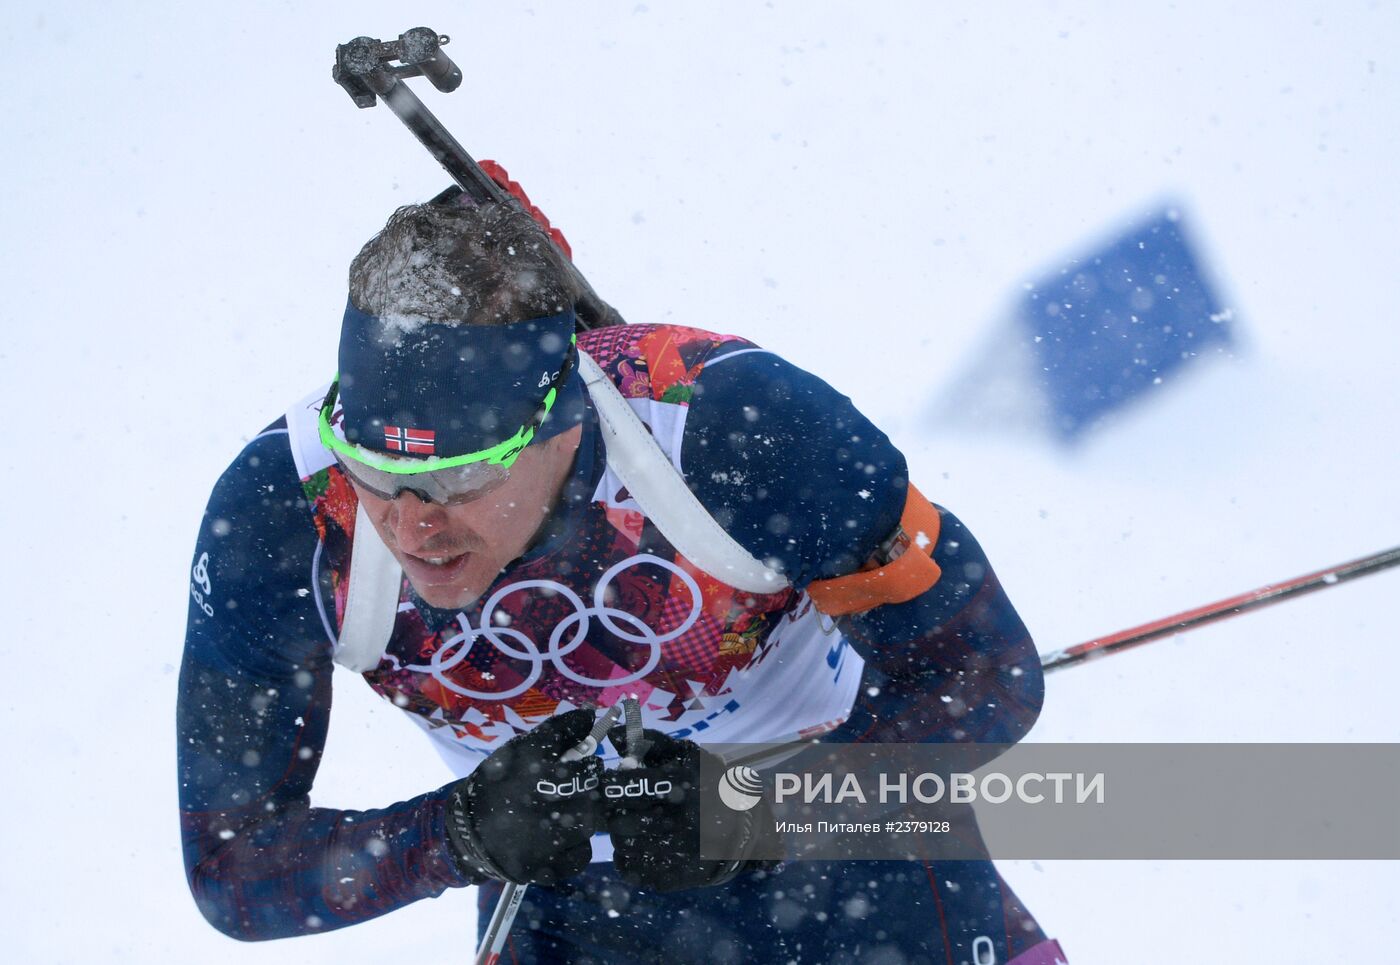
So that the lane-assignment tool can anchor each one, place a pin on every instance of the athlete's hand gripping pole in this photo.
(656, 809)
(527, 813)
(494, 941)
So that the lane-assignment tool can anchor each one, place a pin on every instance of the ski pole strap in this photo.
(595, 737)
(637, 743)
(901, 569)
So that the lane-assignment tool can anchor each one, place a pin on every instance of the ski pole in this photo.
(1264, 596)
(1136, 636)
(498, 929)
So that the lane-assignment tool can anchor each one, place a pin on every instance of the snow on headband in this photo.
(453, 392)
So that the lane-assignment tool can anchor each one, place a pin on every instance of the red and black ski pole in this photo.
(1165, 627)
(1221, 610)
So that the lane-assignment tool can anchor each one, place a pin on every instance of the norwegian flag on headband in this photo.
(421, 441)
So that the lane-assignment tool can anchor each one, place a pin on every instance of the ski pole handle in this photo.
(498, 929)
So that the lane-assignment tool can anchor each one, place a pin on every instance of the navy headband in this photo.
(448, 390)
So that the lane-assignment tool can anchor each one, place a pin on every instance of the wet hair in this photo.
(464, 264)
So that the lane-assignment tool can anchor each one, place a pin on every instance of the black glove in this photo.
(525, 816)
(654, 818)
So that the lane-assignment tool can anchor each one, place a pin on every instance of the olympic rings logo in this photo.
(516, 645)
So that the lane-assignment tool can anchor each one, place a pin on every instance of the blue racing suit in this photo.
(796, 475)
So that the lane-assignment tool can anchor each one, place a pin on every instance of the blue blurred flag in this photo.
(1113, 325)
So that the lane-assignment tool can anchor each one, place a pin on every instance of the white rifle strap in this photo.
(372, 601)
(656, 484)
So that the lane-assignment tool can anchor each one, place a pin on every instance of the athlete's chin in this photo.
(446, 581)
(449, 597)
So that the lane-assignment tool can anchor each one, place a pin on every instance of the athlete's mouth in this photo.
(435, 569)
(436, 559)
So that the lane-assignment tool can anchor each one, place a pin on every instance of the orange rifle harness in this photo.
(900, 569)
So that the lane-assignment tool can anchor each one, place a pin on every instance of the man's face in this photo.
(451, 554)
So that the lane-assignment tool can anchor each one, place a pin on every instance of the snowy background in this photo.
(863, 187)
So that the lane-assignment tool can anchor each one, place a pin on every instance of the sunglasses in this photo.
(447, 487)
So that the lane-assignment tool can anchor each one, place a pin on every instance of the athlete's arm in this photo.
(254, 704)
(803, 480)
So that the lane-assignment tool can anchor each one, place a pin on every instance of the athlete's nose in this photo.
(414, 521)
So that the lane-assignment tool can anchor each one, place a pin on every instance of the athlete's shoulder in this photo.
(265, 459)
(789, 465)
(659, 362)
(252, 578)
